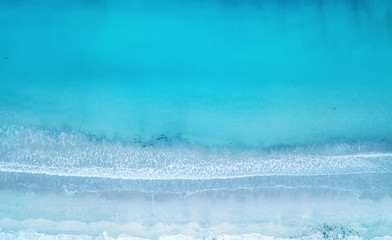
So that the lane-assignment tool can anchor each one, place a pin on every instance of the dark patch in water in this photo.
(335, 232)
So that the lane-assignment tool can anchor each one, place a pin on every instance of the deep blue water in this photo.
(210, 119)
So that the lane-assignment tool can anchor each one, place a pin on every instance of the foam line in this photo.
(74, 154)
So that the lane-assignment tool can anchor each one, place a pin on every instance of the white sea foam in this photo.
(199, 93)
(281, 213)
(74, 154)
(105, 236)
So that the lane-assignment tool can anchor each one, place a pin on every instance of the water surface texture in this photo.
(221, 119)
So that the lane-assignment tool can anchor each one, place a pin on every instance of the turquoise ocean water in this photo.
(196, 119)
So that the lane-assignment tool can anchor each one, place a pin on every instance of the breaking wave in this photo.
(213, 119)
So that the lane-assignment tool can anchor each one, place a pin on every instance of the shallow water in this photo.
(196, 119)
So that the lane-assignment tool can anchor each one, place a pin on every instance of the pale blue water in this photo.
(196, 119)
